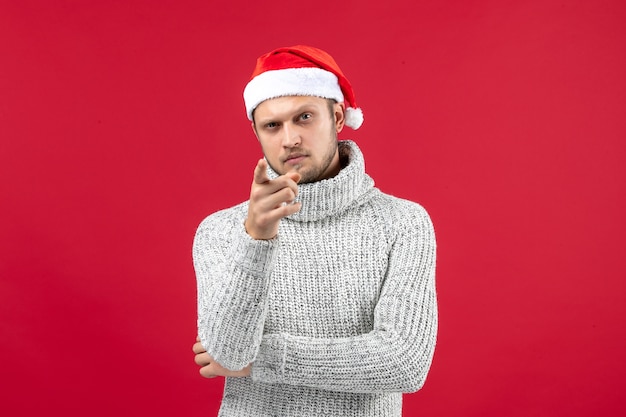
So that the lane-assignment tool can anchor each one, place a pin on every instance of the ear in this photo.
(252, 125)
(340, 116)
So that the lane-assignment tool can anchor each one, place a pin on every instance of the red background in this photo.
(122, 126)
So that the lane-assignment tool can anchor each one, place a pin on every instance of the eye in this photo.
(271, 125)
(305, 116)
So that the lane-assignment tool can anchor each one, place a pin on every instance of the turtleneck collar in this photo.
(331, 196)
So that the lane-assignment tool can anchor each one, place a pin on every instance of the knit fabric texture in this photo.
(337, 314)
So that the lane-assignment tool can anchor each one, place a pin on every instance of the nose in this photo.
(291, 136)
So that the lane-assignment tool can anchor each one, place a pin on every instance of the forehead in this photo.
(286, 105)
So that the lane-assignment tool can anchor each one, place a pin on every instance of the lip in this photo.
(295, 159)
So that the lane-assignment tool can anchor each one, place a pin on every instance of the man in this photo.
(317, 296)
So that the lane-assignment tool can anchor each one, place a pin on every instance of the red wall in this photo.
(122, 126)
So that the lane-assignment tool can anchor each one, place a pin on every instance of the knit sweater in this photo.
(337, 314)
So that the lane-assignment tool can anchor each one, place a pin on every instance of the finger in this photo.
(198, 348)
(268, 196)
(284, 196)
(207, 372)
(203, 359)
(289, 209)
(288, 180)
(280, 183)
(260, 172)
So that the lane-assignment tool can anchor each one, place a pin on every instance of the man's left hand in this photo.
(210, 369)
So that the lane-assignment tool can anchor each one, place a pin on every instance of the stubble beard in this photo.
(317, 173)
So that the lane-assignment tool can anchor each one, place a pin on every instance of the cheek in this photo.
(266, 145)
(270, 151)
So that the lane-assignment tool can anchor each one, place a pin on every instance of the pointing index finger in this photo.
(260, 172)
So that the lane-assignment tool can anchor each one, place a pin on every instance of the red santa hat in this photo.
(300, 71)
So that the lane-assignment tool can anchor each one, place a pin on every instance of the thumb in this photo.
(295, 176)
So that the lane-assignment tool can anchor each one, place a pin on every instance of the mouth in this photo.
(294, 159)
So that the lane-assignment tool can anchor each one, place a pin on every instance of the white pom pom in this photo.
(354, 117)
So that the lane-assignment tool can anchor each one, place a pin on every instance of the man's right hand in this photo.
(270, 201)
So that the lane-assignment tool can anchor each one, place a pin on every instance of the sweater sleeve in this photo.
(395, 356)
(233, 278)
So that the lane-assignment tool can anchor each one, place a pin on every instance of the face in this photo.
(299, 133)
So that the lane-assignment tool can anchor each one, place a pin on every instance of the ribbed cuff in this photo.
(254, 256)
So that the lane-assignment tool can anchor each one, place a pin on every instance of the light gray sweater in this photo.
(338, 313)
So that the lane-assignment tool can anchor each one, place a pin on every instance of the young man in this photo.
(317, 296)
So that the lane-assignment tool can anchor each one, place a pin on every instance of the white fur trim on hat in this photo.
(291, 82)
